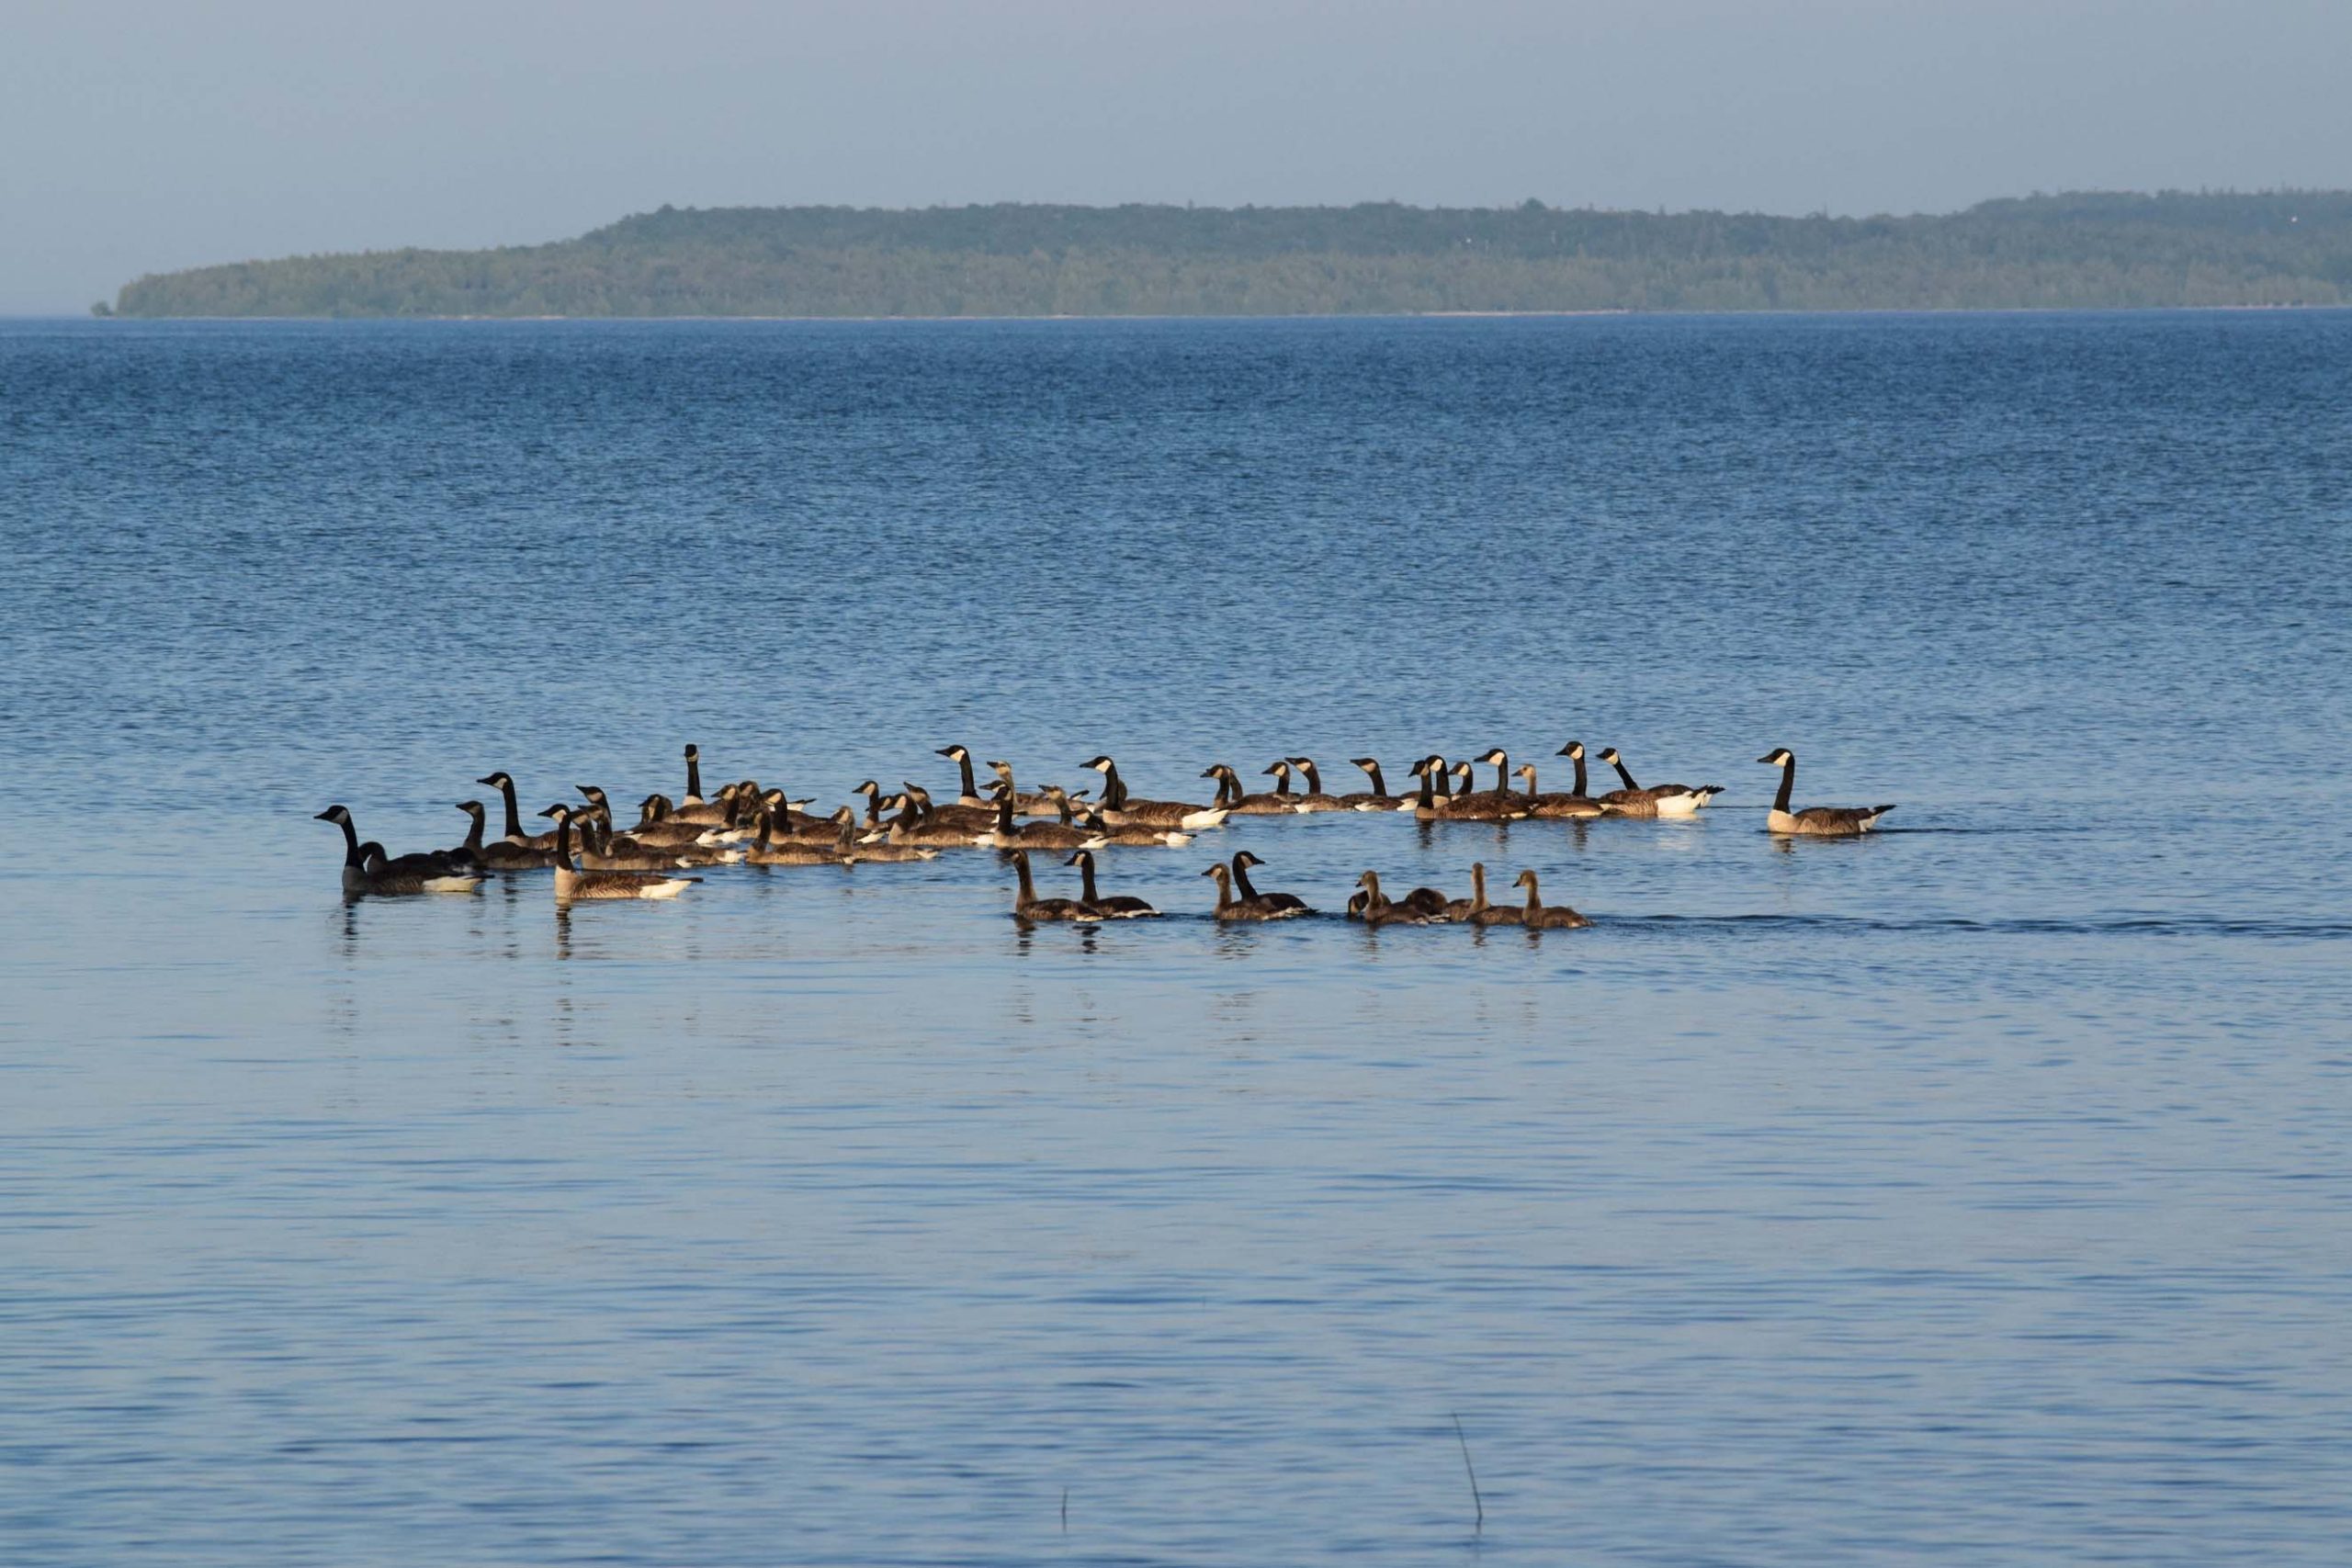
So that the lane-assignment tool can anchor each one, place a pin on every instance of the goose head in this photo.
(496, 781)
(1367, 763)
(1608, 755)
(334, 814)
(1572, 749)
(591, 794)
(1246, 857)
(471, 809)
(1083, 857)
(1779, 757)
(1495, 758)
(953, 753)
(559, 812)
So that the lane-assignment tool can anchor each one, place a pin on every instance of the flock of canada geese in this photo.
(742, 823)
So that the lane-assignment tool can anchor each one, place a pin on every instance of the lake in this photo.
(1973, 1192)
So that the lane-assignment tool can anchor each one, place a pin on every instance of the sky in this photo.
(142, 137)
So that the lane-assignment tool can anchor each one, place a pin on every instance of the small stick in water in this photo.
(1065, 1510)
(1481, 1527)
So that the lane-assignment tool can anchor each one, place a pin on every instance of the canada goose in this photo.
(502, 855)
(659, 828)
(1229, 908)
(1006, 834)
(970, 793)
(1241, 864)
(382, 877)
(367, 869)
(1817, 821)
(1312, 798)
(845, 839)
(1119, 906)
(769, 849)
(1483, 913)
(1120, 809)
(873, 822)
(571, 885)
(1430, 807)
(1101, 835)
(602, 850)
(1574, 752)
(505, 785)
(1658, 800)
(697, 808)
(1379, 911)
(1040, 803)
(1027, 906)
(913, 826)
(1376, 799)
(975, 819)
(1555, 805)
(1463, 909)
(1536, 917)
(1231, 798)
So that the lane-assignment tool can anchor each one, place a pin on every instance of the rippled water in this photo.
(1974, 1193)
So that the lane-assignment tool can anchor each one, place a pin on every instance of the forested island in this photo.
(2079, 251)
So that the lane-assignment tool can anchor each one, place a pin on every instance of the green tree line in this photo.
(2085, 250)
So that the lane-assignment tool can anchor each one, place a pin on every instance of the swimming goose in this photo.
(1430, 807)
(1120, 809)
(845, 839)
(1229, 908)
(1312, 798)
(1658, 800)
(1484, 914)
(1037, 804)
(970, 793)
(770, 850)
(571, 885)
(515, 834)
(1230, 796)
(694, 807)
(1027, 906)
(502, 855)
(912, 827)
(975, 819)
(1574, 752)
(1379, 911)
(1119, 906)
(1104, 835)
(1376, 799)
(366, 868)
(602, 850)
(1556, 806)
(1816, 822)
(1537, 917)
(1008, 835)
(1290, 901)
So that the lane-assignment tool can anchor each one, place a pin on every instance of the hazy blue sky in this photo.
(144, 137)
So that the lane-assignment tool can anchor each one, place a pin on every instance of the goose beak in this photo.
(1763, 759)
(944, 751)
(326, 816)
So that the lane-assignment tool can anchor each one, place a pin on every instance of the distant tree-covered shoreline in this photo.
(2081, 251)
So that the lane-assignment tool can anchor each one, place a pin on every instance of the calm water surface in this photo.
(1976, 1193)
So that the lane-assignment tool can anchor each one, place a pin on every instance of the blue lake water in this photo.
(1977, 1192)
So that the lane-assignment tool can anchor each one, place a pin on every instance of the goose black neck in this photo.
(350, 842)
(563, 841)
(1313, 778)
(1379, 784)
(1620, 765)
(1444, 777)
(1282, 779)
(694, 774)
(473, 833)
(1115, 792)
(1004, 817)
(1788, 785)
(1428, 801)
(1086, 871)
(1502, 774)
(963, 766)
(1578, 760)
(1241, 882)
(514, 818)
